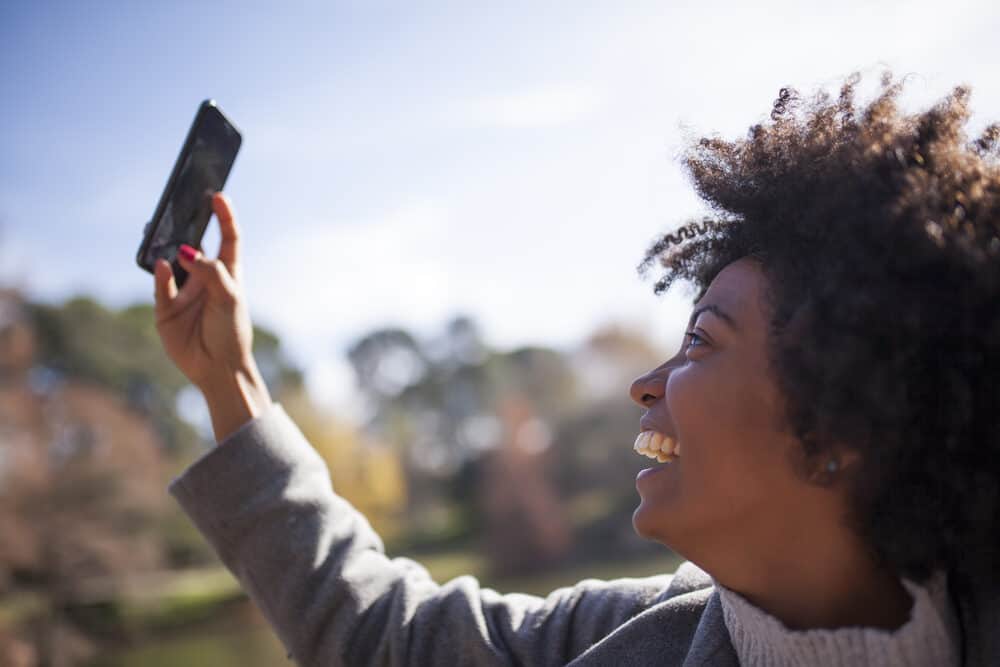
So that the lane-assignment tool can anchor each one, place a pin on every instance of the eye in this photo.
(692, 337)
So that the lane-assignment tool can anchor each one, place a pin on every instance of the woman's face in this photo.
(734, 488)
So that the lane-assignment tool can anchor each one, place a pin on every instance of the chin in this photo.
(644, 524)
(652, 526)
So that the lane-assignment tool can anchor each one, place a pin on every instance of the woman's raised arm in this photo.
(206, 330)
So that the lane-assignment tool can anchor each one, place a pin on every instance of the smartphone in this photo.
(185, 207)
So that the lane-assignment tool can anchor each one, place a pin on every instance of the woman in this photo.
(830, 429)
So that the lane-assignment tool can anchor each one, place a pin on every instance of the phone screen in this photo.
(185, 208)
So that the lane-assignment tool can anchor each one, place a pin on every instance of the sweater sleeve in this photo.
(319, 574)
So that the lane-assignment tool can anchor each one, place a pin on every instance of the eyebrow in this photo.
(712, 308)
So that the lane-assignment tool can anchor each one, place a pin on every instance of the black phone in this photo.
(185, 206)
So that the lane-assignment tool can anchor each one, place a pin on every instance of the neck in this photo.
(877, 600)
(824, 583)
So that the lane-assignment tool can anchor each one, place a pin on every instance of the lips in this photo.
(647, 423)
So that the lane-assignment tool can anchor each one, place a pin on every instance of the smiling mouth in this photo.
(657, 446)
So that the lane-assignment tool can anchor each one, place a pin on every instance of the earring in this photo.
(832, 466)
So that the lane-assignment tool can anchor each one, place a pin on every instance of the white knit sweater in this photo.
(930, 637)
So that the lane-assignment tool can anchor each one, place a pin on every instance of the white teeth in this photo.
(657, 446)
(656, 441)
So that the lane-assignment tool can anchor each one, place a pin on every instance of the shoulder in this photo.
(689, 578)
(683, 624)
(685, 593)
(642, 593)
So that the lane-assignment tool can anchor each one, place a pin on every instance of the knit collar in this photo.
(929, 637)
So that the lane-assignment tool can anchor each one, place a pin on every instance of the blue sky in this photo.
(404, 162)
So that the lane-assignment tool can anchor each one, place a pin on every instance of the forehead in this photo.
(737, 290)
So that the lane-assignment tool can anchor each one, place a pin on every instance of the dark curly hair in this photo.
(878, 233)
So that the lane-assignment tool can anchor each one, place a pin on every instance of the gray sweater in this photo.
(319, 574)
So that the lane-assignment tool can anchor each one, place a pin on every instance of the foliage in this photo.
(367, 473)
(121, 351)
(89, 438)
(499, 445)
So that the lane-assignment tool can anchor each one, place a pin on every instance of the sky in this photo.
(403, 163)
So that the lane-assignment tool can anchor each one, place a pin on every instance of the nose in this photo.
(648, 389)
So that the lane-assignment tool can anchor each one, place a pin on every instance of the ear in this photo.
(834, 466)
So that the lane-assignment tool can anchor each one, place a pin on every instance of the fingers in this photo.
(229, 248)
(212, 273)
(166, 286)
(220, 277)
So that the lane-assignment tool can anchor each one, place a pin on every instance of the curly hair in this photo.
(878, 233)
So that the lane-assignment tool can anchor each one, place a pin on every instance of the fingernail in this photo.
(187, 252)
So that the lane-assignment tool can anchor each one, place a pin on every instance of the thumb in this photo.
(212, 273)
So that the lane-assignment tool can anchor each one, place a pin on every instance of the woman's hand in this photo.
(206, 330)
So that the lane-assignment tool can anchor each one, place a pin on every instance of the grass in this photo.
(20, 606)
(185, 598)
(448, 565)
(192, 596)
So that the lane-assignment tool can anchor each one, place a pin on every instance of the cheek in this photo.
(700, 408)
(718, 423)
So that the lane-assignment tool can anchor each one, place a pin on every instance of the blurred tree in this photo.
(472, 470)
(122, 352)
(368, 474)
(611, 357)
(386, 361)
(82, 478)
(118, 351)
(528, 526)
(597, 466)
(89, 437)
(438, 402)
(437, 398)
(281, 375)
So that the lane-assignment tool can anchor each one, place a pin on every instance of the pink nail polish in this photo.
(188, 252)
